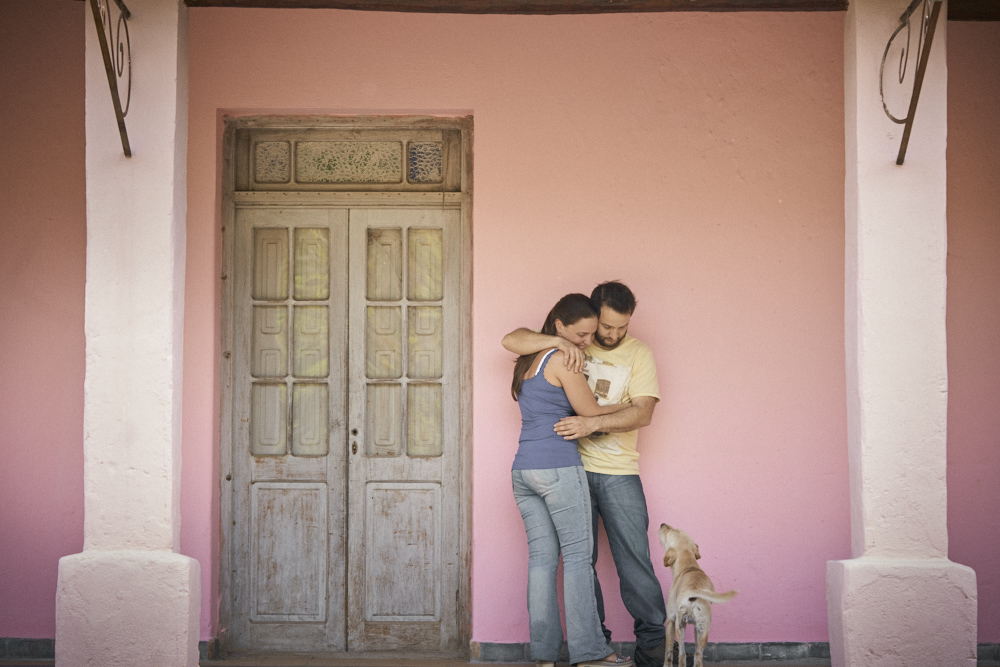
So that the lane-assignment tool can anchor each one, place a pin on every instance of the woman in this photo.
(550, 487)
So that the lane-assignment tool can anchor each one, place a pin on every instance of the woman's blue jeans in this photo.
(555, 506)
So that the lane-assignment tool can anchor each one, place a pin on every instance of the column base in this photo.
(126, 608)
(886, 612)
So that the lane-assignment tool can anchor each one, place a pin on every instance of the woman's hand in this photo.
(573, 357)
(525, 341)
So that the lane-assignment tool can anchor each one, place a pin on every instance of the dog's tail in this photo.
(711, 596)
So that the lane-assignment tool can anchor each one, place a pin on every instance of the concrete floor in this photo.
(307, 660)
(313, 660)
(341, 660)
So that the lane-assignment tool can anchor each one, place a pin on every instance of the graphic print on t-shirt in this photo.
(608, 381)
(617, 376)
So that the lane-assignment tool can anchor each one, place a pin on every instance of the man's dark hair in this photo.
(615, 296)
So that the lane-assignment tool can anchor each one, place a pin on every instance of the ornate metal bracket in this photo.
(118, 64)
(928, 21)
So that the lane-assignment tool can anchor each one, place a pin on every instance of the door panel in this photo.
(346, 428)
(409, 542)
(404, 402)
(289, 567)
(289, 429)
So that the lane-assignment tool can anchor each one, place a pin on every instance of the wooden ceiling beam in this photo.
(958, 10)
(974, 10)
(538, 6)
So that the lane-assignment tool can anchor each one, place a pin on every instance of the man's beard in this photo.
(601, 342)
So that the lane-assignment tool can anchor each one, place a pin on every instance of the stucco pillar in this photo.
(130, 598)
(898, 600)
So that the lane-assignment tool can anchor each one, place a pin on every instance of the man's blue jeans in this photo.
(555, 506)
(621, 504)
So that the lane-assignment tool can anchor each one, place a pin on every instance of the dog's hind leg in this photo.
(701, 626)
(668, 657)
(681, 626)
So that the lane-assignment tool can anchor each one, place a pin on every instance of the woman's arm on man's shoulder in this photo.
(525, 341)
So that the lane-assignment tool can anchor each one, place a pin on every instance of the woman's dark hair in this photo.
(569, 310)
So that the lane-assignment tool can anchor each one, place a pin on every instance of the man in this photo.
(619, 368)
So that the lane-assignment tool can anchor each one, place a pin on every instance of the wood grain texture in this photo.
(333, 547)
(974, 10)
(958, 10)
(535, 6)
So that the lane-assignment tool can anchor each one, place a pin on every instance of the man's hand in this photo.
(571, 428)
(633, 415)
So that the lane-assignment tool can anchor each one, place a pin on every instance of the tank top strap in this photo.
(545, 360)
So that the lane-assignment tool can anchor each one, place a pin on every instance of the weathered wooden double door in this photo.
(345, 465)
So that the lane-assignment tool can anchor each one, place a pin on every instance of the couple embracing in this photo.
(577, 460)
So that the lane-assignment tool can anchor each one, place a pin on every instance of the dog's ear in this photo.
(670, 557)
(697, 553)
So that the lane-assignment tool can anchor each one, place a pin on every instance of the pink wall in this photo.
(707, 148)
(717, 179)
(974, 312)
(42, 252)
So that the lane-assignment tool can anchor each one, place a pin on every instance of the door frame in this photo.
(226, 361)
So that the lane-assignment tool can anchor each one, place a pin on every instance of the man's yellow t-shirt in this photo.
(617, 376)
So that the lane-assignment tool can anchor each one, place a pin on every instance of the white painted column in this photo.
(899, 600)
(130, 598)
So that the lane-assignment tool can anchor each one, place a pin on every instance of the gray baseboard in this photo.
(210, 650)
(817, 653)
(39, 651)
(808, 653)
(989, 655)
(13, 648)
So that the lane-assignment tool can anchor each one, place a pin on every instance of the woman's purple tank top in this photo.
(542, 405)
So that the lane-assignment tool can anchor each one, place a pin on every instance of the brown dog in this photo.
(691, 595)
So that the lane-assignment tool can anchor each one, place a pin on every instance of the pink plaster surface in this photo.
(654, 150)
(974, 313)
(698, 157)
(42, 260)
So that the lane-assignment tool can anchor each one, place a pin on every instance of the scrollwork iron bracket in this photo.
(931, 9)
(117, 64)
